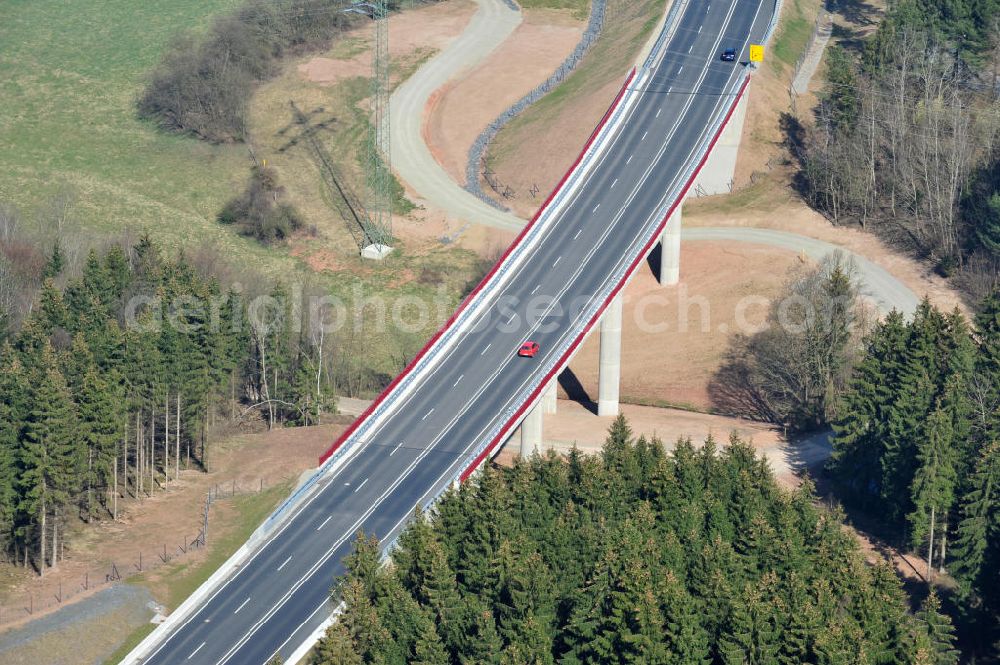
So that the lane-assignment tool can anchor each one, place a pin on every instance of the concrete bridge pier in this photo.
(531, 431)
(670, 249)
(549, 399)
(610, 367)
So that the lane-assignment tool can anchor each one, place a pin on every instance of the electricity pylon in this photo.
(378, 230)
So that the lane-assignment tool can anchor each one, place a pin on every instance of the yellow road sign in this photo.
(756, 53)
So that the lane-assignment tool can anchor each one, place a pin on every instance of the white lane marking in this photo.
(690, 47)
(398, 445)
(509, 321)
(429, 412)
(329, 517)
(577, 234)
(196, 651)
(681, 69)
(323, 559)
(284, 562)
(658, 112)
(535, 290)
(395, 483)
(242, 605)
(556, 261)
(461, 377)
(670, 88)
(644, 136)
(483, 352)
(361, 485)
(595, 208)
(614, 183)
(627, 161)
(699, 29)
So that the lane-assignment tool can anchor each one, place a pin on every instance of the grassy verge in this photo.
(561, 121)
(131, 642)
(794, 33)
(173, 583)
(579, 8)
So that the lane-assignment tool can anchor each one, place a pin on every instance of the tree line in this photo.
(111, 381)
(917, 438)
(905, 141)
(638, 555)
(790, 372)
(203, 85)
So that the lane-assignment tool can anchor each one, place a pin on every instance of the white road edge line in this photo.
(415, 461)
(258, 553)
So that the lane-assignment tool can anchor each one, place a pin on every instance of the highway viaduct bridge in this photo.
(467, 391)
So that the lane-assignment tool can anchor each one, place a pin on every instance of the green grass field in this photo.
(69, 77)
(70, 74)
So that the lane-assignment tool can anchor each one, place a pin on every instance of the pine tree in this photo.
(336, 648)
(934, 633)
(934, 481)
(685, 638)
(54, 266)
(750, 636)
(100, 429)
(13, 412)
(979, 528)
(48, 461)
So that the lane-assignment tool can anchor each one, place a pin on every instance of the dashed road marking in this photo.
(427, 414)
(595, 208)
(458, 380)
(627, 161)
(483, 352)
(535, 290)
(242, 605)
(196, 651)
(318, 528)
(284, 562)
(577, 234)
(644, 136)
(556, 261)
(614, 183)
(400, 444)
(360, 486)
(658, 112)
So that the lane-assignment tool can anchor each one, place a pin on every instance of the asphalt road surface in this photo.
(280, 594)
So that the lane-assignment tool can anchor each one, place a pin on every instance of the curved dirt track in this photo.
(492, 23)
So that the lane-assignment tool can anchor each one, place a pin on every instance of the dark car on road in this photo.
(729, 55)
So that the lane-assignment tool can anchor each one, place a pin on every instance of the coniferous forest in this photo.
(110, 383)
(917, 442)
(635, 556)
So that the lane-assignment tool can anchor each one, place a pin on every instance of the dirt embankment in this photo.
(532, 152)
(169, 518)
(461, 110)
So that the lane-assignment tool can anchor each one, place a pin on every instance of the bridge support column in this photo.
(549, 400)
(531, 431)
(670, 249)
(610, 368)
